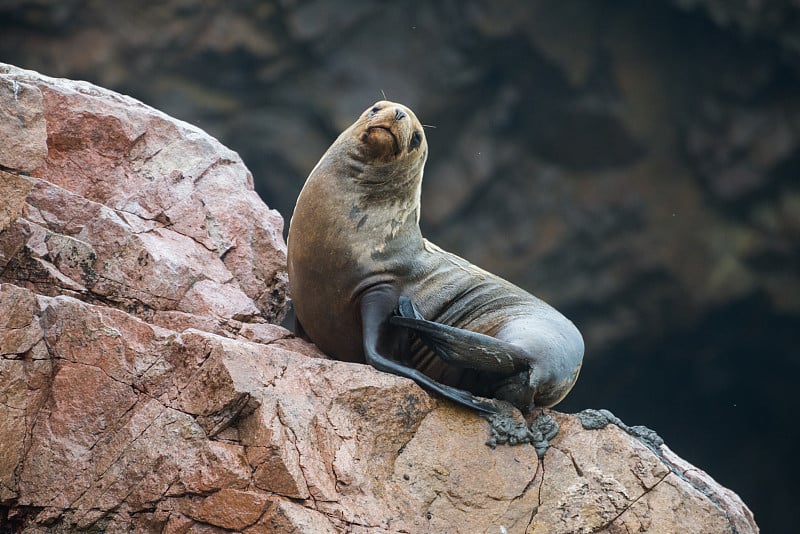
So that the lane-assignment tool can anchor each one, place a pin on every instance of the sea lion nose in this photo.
(399, 114)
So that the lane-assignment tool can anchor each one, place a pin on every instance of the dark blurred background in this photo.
(633, 163)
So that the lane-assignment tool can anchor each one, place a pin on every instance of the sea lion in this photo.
(367, 287)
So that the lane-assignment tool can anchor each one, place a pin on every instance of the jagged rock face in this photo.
(110, 423)
(109, 201)
(143, 388)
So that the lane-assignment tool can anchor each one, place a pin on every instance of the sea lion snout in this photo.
(389, 129)
(380, 141)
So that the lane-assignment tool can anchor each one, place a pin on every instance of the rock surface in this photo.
(111, 423)
(110, 201)
(142, 386)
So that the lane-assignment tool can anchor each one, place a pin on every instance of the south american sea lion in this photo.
(367, 287)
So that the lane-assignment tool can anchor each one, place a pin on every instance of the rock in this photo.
(105, 428)
(22, 127)
(132, 208)
(142, 387)
(594, 495)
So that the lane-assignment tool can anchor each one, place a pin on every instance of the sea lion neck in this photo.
(354, 172)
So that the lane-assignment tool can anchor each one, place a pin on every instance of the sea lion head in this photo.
(388, 133)
(374, 170)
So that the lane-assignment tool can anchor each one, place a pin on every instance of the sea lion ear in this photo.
(416, 140)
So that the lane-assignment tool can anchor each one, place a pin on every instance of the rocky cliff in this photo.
(145, 386)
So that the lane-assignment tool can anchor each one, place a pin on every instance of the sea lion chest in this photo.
(338, 247)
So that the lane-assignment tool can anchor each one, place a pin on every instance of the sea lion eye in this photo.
(373, 111)
(416, 140)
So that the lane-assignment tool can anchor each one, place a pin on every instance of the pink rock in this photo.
(231, 508)
(133, 208)
(23, 133)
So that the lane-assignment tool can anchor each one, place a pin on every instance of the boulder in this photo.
(144, 384)
(112, 201)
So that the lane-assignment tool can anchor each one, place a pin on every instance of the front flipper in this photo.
(299, 331)
(459, 347)
(377, 305)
